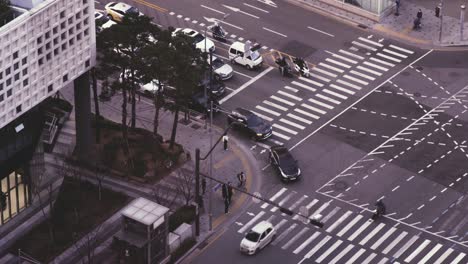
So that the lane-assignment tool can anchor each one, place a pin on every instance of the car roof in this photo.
(238, 45)
(190, 32)
(122, 6)
(261, 227)
(243, 111)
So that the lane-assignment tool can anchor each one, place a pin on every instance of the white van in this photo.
(244, 55)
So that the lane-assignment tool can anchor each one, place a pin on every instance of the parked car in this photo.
(117, 11)
(260, 236)
(221, 70)
(283, 161)
(198, 39)
(102, 22)
(252, 123)
(216, 89)
(243, 54)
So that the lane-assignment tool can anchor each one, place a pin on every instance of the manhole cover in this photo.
(340, 186)
(406, 73)
(417, 94)
(419, 68)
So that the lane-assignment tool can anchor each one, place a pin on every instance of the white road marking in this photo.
(272, 31)
(359, 44)
(274, 197)
(212, 9)
(375, 66)
(441, 259)
(282, 100)
(310, 81)
(351, 54)
(430, 254)
(306, 113)
(369, 70)
(251, 222)
(458, 258)
(371, 42)
(299, 118)
(330, 215)
(267, 110)
(349, 225)
(355, 79)
(371, 234)
(341, 57)
(285, 129)
(382, 62)
(405, 247)
(235, 9)
(320, 111)
(360, 229)
(245, 85)
(307, 242)
(291, 123)
(317, 247)
(222, 21)
(320, 31)
(417, 251)
(341, 89)
(280, 224)
(284, 234)
(329, 251)
(187, 19)
(258, 8)
(349, 84)
(275, 105)
(335, 94)
(330, 67)
(269, 119)
(356, 256)
(382, 238)
(316, 76)
(369, 258)
(342, 253)
(281, 135)
(388, 57)
(401, 49)
(328, 99)
(324, 72)
(320, 103)
(362, 75)
(290, 95)
(304, 86)
(295, 238)
(395, 53)
(338, 63)
(339, 221)
(291, 89)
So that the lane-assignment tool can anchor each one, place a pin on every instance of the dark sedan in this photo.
(216, 89)
(283, 161)
(256, 126)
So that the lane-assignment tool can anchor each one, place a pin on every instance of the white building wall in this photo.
(42, 51)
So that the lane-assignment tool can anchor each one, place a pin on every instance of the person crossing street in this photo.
(241, 178)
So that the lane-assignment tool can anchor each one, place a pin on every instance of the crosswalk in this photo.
(334, 80)
(347, 237)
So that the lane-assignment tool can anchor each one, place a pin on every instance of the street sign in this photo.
(256, 197)
(304, 211)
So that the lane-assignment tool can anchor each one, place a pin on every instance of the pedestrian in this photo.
(229, 193)
(226, 206)
(203, 185)
(241, 178)
(224, 190)
(397, 3)
(225, 142)
(419, 14)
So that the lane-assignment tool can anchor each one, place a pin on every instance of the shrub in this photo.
(185, 214)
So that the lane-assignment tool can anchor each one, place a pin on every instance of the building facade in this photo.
(372, 9)
(45, 48)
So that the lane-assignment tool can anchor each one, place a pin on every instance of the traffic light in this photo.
(437, 11)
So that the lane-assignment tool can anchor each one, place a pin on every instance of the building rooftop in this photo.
(145, 211)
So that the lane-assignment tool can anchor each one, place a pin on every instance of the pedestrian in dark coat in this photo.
(229, 192)
(419, 14)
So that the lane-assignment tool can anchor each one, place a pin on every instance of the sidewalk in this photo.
(401, 27)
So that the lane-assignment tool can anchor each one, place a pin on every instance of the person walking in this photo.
(241, 178)
(229, 193)
(419, 14)
(226, 206)
(225, 142)
(224, 191)
(203, 185)
(397, 3)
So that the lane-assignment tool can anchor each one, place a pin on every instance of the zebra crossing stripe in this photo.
(290, 95)
(292, 207)
(338, 63)
(304, 86)
(310, 81)
(330, 67)
(328, 99)
(291, 123)
(269, 119)
(267, 110)
(274, 197)
(339, 221)
(342, 253)
(394, 242)
(284, 234)
(441, 259)
(362, 75)
(371, 234)
(349, 84)
(285, 129)
(279, 143)
(281, 135)
(458, 258)
(324, 72)
(375, 66)
(305, 243)
(299, 118)
(251, 222)
(351, 54)
(382, 62)
(329, 251)
(318, 211)
(291, 89)
(341, 89)
(275, 105)
(349, 225)
(355, 79)
(405, 247)
(320, 103)
(295, 238)
(384, 260)
(369, 258)
(335, 94)
(343, 58)
(430, 254)
(359, 44)
(356, 256)
(371, 42)
(395, 53)
(401, 49)
(306, 113)
(418, 250)
(369, 70)
(316, 76)
(329, 215)
(280, 224)
(388, 57)
(317, 247)
(360, 229)
(270, 219)
(314, 109)
(382, 238)
(282, 100)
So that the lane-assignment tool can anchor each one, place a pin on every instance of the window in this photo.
(1, 75)
(47, 35)
(62, 14)
(39, 51)
(56, 51)
(49, 56)
(56, 41)
(47, 46)
(87, 63)
(86, 32)
(63, 25)
(65, 78)
(8, 71)
(18, 109)
(23, 61)
(8, 82)
(1, 98)
(25, 71)
(50, 88)
(9, 93)
(64, 35)
(70, 20)
(55, 30)
(17, 76)
(25, 82)
(70, 42)
(64, 46)
(1, 86)
(15, 55)
(40, 61)
(39, 40)
(15, 66)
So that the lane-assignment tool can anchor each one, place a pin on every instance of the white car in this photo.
(102, 22)
(245, 55)
(117, 11)
(221, 70)
(257, 238)
(199, 40)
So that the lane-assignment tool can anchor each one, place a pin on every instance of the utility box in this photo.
(144, 237)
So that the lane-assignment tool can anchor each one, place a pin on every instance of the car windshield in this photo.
(252, 236)
(254, 121)
(255, 55)
(132, 10)
(198, 38)
(286, 159)
(217, 63)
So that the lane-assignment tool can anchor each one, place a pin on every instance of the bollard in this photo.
(462, 21)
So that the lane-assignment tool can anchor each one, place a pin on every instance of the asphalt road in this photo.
(378, 119)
